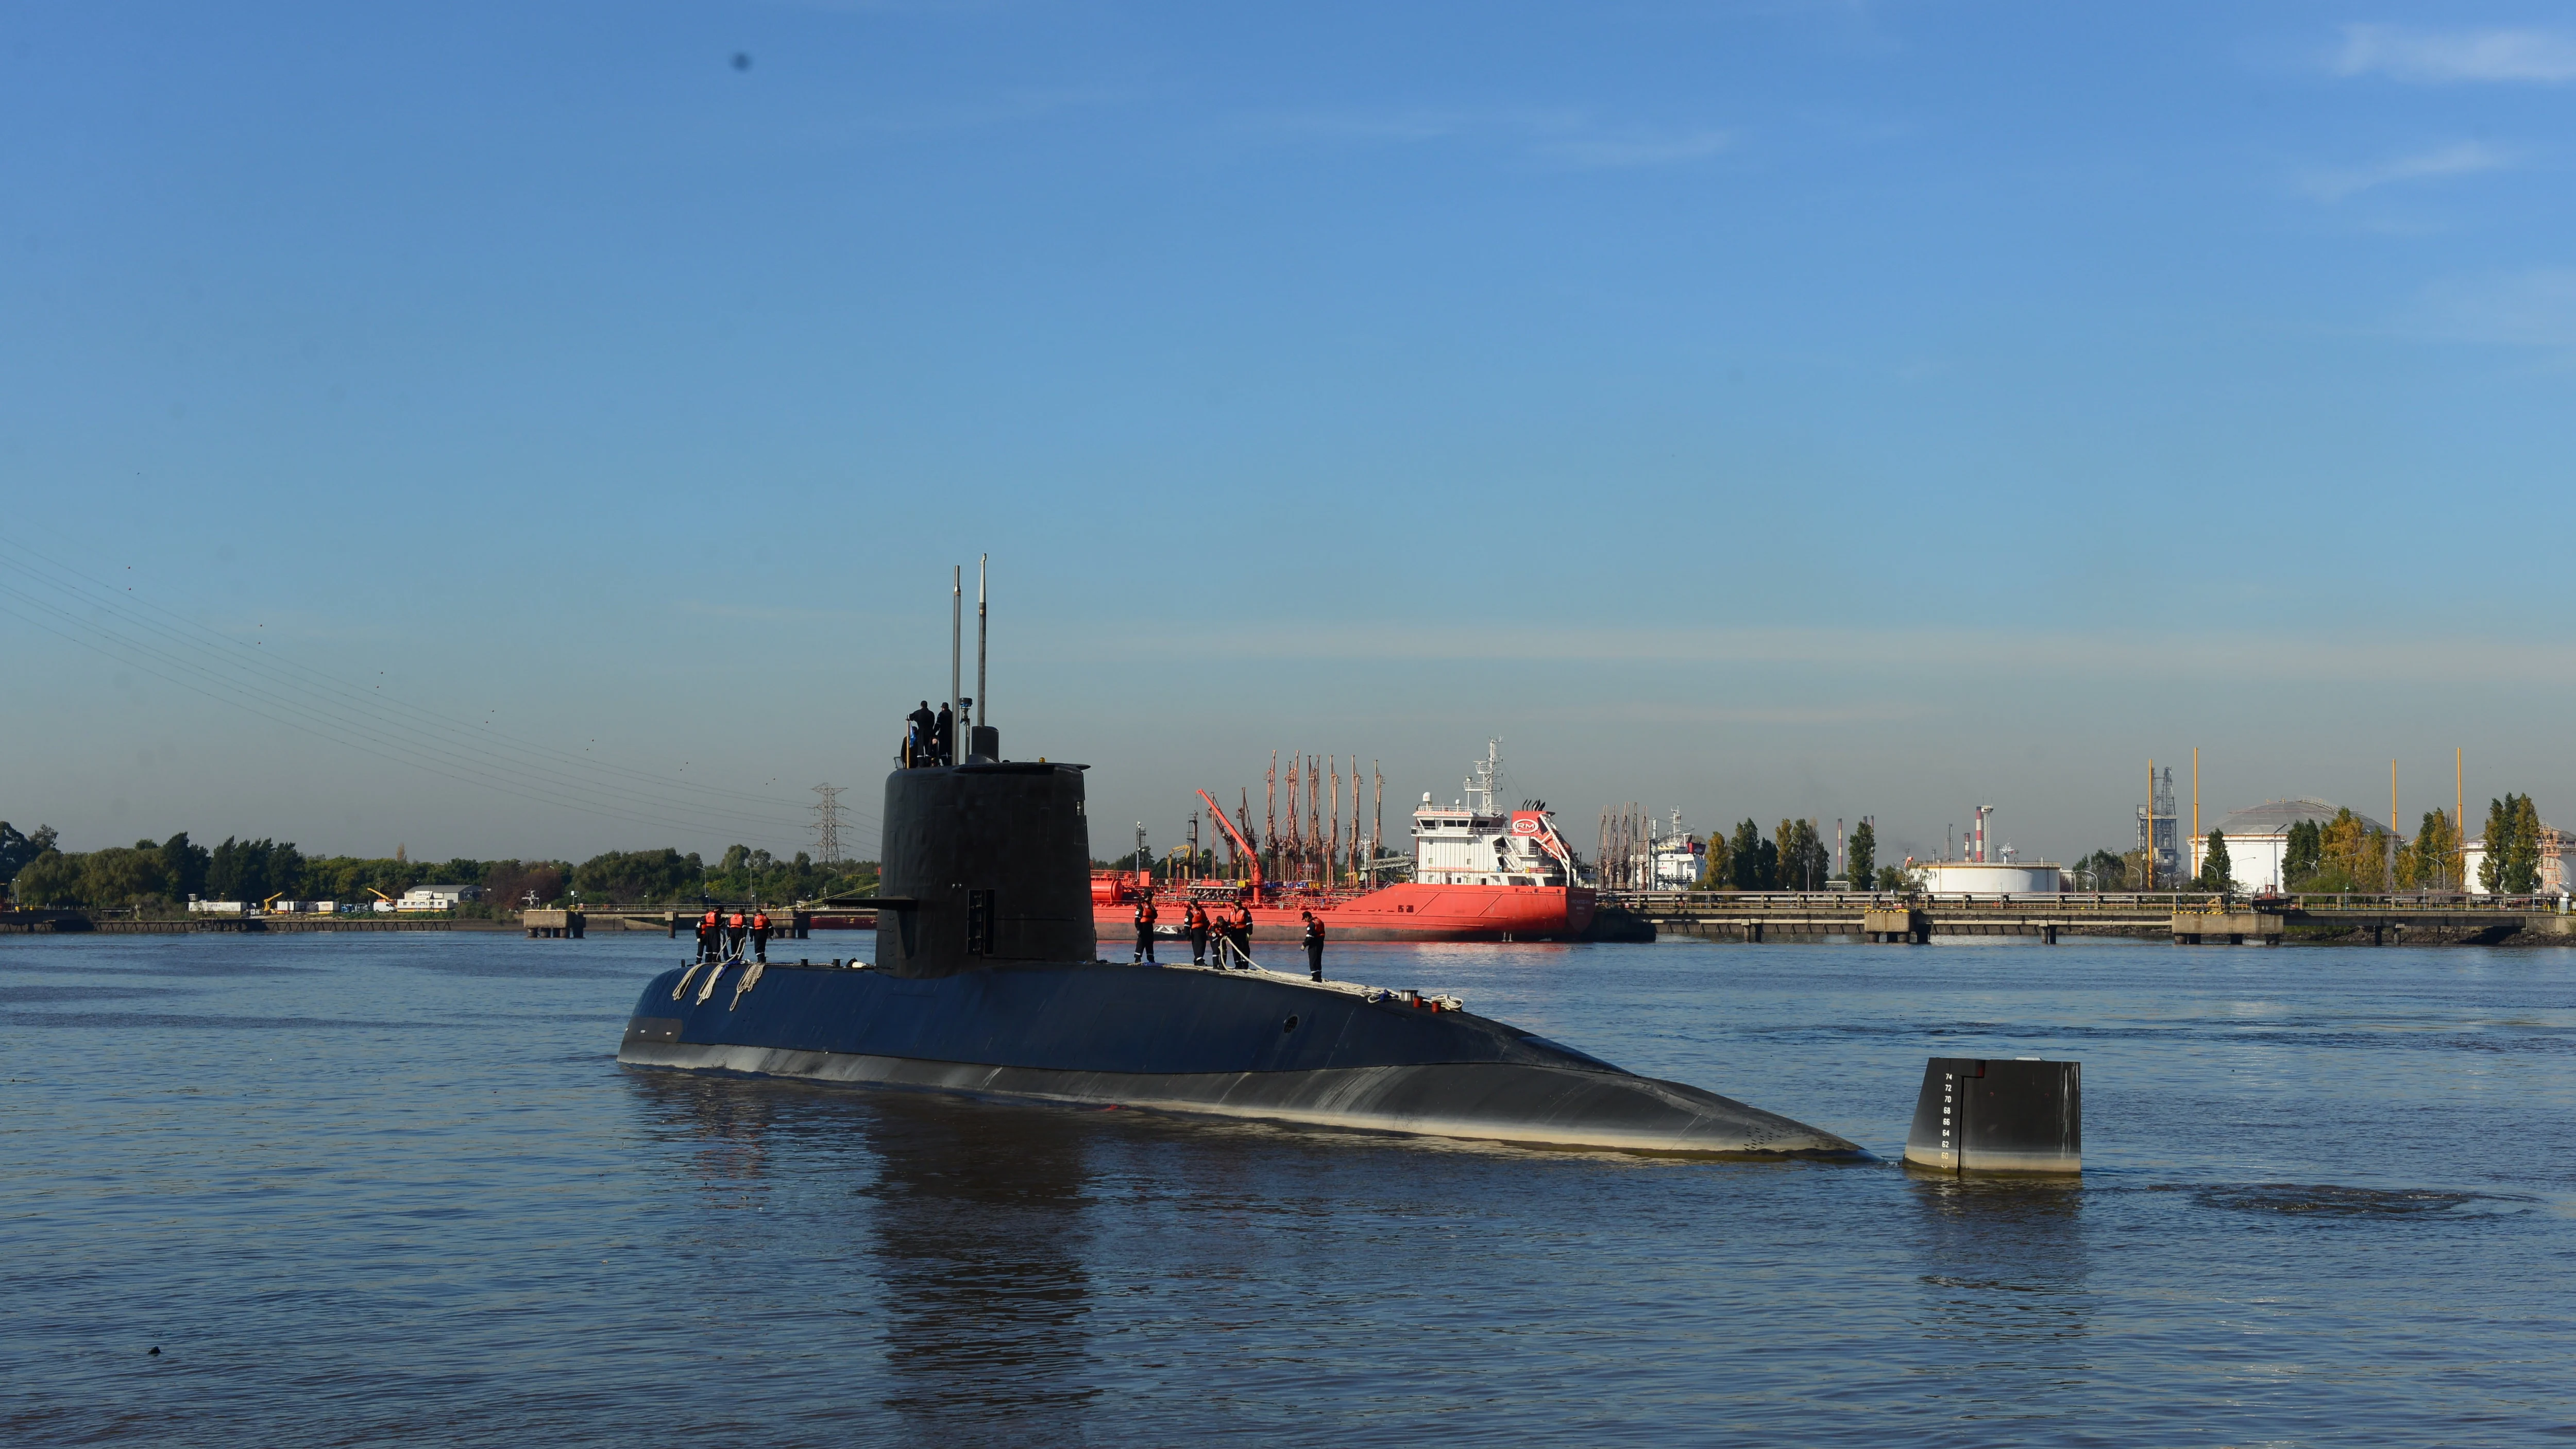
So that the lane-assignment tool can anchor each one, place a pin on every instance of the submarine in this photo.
(988, 982)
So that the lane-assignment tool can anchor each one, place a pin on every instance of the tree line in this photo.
(164, 874)
(1793, 858)
(2350, 854)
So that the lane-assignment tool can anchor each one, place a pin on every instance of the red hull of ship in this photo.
(1402, 912)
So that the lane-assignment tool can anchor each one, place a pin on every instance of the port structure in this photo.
(2186, 918)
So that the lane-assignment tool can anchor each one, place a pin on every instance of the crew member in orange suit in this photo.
(1145, 917)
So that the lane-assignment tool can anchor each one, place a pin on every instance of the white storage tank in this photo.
(1990, 877)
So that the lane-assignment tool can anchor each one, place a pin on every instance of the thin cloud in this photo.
(2535, 308)
(2465, 159)
(1936, 652)
(1560, 138)
(1398, 126)
(2437, 57)
(1668, 713)
(751, 613)
(1007, 108)
(1637, 150)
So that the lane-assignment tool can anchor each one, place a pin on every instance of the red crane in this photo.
(1242, 848)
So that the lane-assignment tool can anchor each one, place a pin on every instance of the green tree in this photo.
(1718, 874)
(2217, 872)
(351, 878)
(2104, 870)
(2301, 854)
(184, 864)
(1803, 860)
(1753, 863)
(123, 876)
(626, 877)
(2525, 871)
(2512, 863)
(1861, 856)
(1891, 879)
(253, 870)
(16, 849)
(2353, 855)
(2430, 864)
(51, 879)
(507, 884)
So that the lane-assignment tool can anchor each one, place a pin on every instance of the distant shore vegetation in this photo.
(163, 874)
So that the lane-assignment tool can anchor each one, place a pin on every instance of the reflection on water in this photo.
(368, 1190)
(974, 1234)
(2005, 1272)
(980, 1231)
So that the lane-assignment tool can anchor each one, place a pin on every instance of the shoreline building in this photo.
(2557, 862)
(2258, 838)
(1990, 877)
(1988, 871)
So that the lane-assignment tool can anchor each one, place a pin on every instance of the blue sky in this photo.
(1762, 409)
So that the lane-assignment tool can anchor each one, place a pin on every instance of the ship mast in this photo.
(1482, 784)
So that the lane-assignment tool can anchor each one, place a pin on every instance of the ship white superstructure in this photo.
(1475, 842)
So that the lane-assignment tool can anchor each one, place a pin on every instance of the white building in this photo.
(437, 897)
(2259, 837)
(2557, 861)
(1989, 877)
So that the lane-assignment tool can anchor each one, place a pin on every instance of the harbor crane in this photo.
(1244, 854)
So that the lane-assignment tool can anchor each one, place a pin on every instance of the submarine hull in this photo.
(1183, 1039)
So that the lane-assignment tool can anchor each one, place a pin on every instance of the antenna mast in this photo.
(983, 706)
(956, 657)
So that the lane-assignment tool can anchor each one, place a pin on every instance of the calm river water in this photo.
(395, 1188)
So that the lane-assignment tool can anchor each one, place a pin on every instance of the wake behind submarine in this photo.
(988, 982)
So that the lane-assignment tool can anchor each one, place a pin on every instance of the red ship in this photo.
(1479, 874)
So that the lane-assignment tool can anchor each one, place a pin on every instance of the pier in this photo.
(2185, 918)
(792, 925)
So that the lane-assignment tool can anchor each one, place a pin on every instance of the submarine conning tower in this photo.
(985, 863)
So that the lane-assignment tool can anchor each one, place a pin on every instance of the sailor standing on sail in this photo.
(1240, 930)
(707, 937)
(943, 735)
(734, 929)
(759, 934)
(916, 739)
(1145, 931)
(1314, 946)
(1198, 923)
